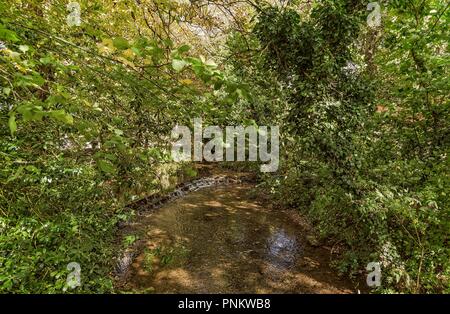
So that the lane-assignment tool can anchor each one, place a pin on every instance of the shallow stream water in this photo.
(222, 240)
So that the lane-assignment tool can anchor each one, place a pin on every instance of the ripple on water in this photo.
(219, 240)
(282, 249)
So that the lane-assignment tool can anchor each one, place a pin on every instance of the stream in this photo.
(223, 240)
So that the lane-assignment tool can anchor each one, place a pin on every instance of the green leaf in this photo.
(33, 80)
(62, 116)
(218, 84)
(121, 43)
(136, 51)
(30, 111)
(110, 157)
(130, 239)
(194, 61)
(184, 48)
(12, 124)
(106, 166)
(8, 35)
(178, 64)
(47, 60)
(168, 42)
(16, 175)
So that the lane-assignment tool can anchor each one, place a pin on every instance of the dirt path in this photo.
(222, 240)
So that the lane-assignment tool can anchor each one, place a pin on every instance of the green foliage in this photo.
(164, 256)
(364, 117)
(85, 114)
(129, 240)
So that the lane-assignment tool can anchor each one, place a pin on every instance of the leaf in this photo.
(47, 60)
(106, 166)
(16, 175)
(30, 111)
(110, 157)
(130, 239)
(24, 48)
(55, 99)
(14, 54)
(8, 35)
(178, 64)
(120, 43)
(62, 116)
(168, 42)
(184, 48)
(218, 84)
(33, 80)
(186, 81)
(136, 51)
(33, 169)
(211, 64)
(128, 53)
(12, 124)
(106, 45)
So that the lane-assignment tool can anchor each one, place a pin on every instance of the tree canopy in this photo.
(86, 110)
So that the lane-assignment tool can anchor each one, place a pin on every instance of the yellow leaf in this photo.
(108, 43)
(126, 62)
(128, 54)
(186, 81)
(106, 46)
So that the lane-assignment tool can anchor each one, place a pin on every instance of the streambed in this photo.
(223, 240)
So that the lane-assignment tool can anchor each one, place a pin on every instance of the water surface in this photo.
(222, 240)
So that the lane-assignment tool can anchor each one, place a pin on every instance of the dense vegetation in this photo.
(86, 113)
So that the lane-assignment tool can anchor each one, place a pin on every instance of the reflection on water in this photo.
(217, 241)
(281, 249)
